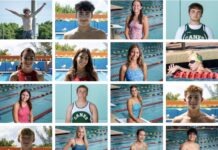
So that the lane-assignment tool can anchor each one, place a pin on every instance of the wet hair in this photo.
(133, 14)
(21, 55)
(85, 6)
(138, 96)
(193, 88)
(196, 5)
(28, 101)
(26, 131)
(82, 86)
(25, 10)
(138, 131)
(88, 68)
(85, 136)
(140, 60)
(192, 130)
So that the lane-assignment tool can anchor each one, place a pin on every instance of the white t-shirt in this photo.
(181, 30)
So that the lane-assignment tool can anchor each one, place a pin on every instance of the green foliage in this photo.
(66, 9)
(43, 48)
(3, 52)
(5, 142)
(45, 30)
(65, 47)
(171, 96)
(47, 139)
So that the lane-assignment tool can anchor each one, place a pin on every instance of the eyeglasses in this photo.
(192, 61)
(29, 58)
(84, 13)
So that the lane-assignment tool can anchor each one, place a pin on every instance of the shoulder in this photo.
(208, 118)
(123, 67)
(145, 65)
(133, 147)
(182, 28)
(145, 145)
(92, 105)
(13, 76)
(144, 18)
(98, 33)
(68, 76)
(178, 119)
(71, 141)
(70, 34)
(127, 18)
(40, 75)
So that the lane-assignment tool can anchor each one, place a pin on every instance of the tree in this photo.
(47, 139)
(43, 48)
(213, 90)
(3, 52)
(45, 30)
(171, 96)
(5, 142)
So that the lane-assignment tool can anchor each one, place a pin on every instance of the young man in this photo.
(195, 65)
(194, 30)
(84, 14)
(193, 99)
(139, 144)
(26, 138)
(82, 111)
(27, 20)
(190, 143)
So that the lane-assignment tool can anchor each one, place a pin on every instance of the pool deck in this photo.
(60, 132)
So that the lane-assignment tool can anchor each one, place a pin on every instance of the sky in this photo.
(11, 132)
(18, 5)
(99, 4)
(15, 48)
(90, 45)
(179, 88)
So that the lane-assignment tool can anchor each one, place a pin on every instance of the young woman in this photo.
(80, 141)
(25, 71)
(134, 69)
(137, 26)
(134, 106)
(22, 110)
(82, 69)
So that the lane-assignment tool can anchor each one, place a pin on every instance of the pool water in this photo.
(124, 141)
(96, 135)
(153, 57)
(207, 137)
(41, 101)
(152, 8)
(152, 102)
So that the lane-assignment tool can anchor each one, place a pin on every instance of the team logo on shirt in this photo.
(81, 117)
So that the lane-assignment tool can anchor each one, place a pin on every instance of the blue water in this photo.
(207, 137)
(41, 102)
(152, 9)
(152, 100)
(124, 141)
(6, 76)
(64, 26)
(96, 135)
(153, 57)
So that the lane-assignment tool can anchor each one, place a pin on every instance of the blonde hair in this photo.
(193, 88)
(138, 95)
(195, 56)
(85, 140)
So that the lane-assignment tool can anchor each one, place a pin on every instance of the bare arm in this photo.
(67, 77)
(15, 112)
(127, 28)
(31, 116)
(132, 147)
(95, 75)
(173, 68)
(145, 27)
(40, 76)
(69, 144)
(122, 72)
(94, 111)
(14, 12)
(68, 114)
(13, 77)
(145, 72)
(38, 10)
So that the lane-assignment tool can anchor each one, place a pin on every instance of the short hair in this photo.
(25, 10)
(28, 132)
(138, 131)
(82, 86)
(192, 130)
(196, 5)
(194, 88)
(85, 6)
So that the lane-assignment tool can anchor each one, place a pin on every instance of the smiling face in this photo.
(134, 54)
(192, 137)
(26, 141)
(141, 136)
(194, 65)
(136, 7)
(82, 93)
(84, 18)
(195, 14)
(25, 96)
(27, 59)
(193, 100)
(80, 132)
(134, 92)
(82, 60)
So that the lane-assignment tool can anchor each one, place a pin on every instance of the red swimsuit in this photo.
(32, 76)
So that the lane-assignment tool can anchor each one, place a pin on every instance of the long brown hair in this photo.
(28, 101)
(140, 60)
(21, 55)
(89, 67)
(133, 14)
(138, 95)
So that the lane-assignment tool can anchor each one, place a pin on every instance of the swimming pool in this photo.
(62, 26)
(124, 141)
(96, 135)
(172, 112)
(152, 8)
(152, 102)
(153, 57)
(41, 101)
(207, 137)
